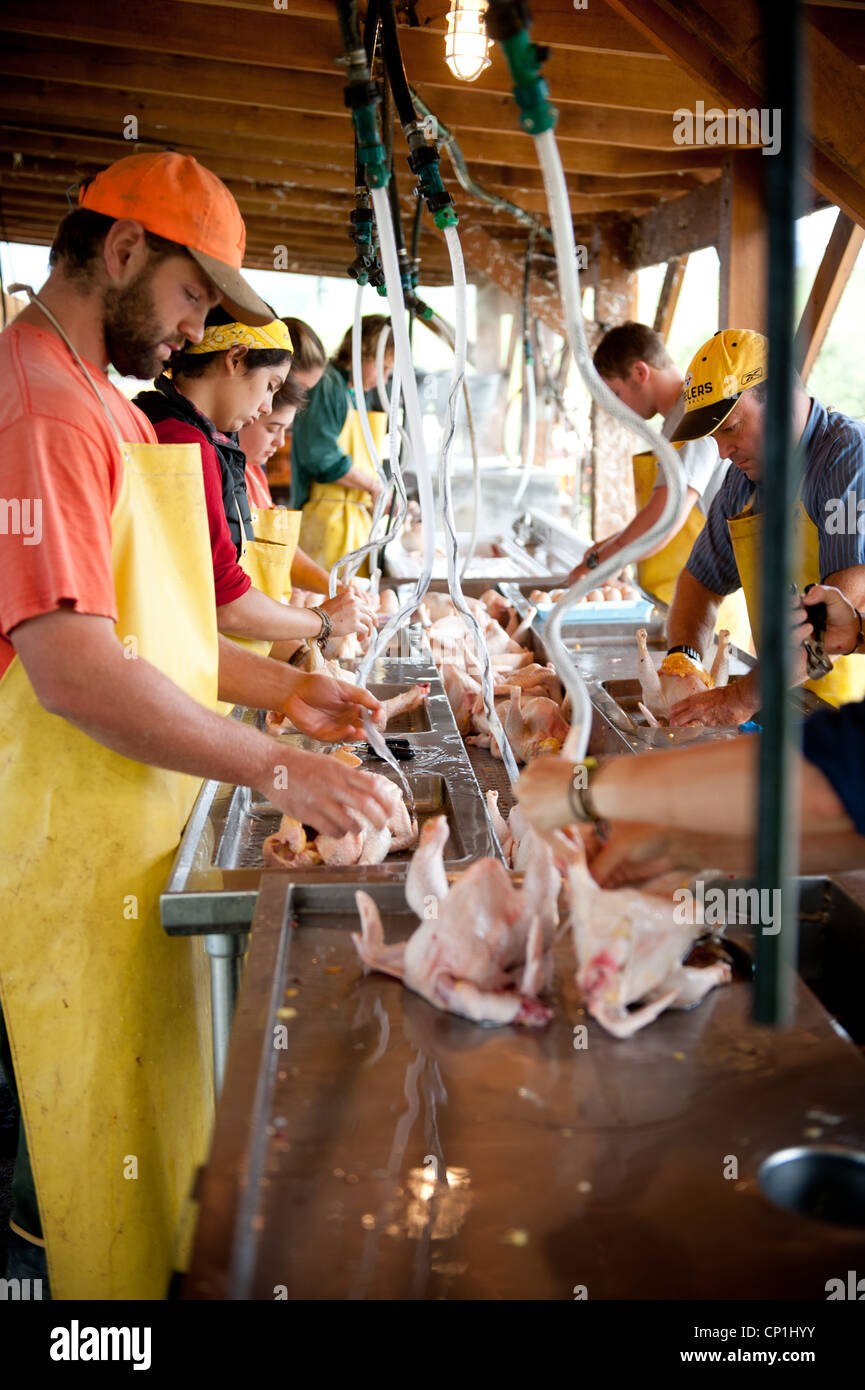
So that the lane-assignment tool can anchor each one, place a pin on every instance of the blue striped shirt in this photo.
(833, 495)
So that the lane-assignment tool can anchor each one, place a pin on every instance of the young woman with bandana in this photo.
(215, 387)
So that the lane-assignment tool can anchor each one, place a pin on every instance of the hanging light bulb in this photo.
(466, 43)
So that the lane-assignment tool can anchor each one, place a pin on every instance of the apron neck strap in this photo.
(34, 299)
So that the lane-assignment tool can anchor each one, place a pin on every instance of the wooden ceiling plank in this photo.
(229, 125)
(273, 90)
(636, 82)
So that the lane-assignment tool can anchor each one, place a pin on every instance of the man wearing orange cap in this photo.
(110, 672)
(725, 398)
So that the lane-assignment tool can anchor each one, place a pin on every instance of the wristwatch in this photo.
(579, 791)
(686, 651)
(591, 560)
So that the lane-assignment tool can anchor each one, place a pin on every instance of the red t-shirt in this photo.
(60, 476)
(229, 579)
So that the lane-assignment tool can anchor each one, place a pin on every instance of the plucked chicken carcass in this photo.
(678, 677)
(481, 949)
(630, 951)
(533, 726)
(292, 848)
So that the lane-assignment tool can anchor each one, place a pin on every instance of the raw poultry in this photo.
(630, 950)
(678, 676)
(528, 695)
(481, 949)
(294, 846)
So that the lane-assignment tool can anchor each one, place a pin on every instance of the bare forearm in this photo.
(692, 615)
(135, 710)
(245, 678)
(713, 786)
(256, 615)
(356, 477)
(306, 574)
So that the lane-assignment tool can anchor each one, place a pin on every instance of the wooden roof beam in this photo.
(275, 90)
(723, 48)
(236, 129)
(647, 81)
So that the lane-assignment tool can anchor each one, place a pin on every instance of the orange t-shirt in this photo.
(256, 487)
(60, 475)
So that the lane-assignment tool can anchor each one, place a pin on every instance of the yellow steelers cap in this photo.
(725, 366)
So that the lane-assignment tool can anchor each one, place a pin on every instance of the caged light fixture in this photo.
(466, 43)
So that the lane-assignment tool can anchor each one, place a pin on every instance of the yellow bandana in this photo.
(221, 336)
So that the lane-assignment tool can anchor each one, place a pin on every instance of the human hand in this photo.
(725, 705)
(350, 611)
(842, 620)
(328, 709)
(322, 792)
(543, 791)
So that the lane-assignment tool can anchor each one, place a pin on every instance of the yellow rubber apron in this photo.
(846, 681)
(109, 1018)
(268, 564)
(338, 519)
(657, 574)
(279, 526)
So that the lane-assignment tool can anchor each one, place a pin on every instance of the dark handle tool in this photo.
(399, 747)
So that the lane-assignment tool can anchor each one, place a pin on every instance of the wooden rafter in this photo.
(832, 275)
(669, 296)
(723, 47)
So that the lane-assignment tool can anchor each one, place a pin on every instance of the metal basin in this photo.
(248, 825)
(414, 721)
(826, 1183)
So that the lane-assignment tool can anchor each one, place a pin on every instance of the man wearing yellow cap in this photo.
(111, 669)
(725, 394)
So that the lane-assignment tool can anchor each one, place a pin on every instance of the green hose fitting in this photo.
(371, 151)
(537, 114)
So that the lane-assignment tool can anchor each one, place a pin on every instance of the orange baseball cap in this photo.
(175, 197)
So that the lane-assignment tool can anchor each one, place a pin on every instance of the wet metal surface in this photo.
(218, 867)
(385, 1150)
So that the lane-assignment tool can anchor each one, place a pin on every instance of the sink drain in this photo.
(826, 1183)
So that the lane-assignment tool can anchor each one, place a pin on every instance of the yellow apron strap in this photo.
(658, 573)
(846, 681)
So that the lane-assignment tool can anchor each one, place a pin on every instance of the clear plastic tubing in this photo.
(353, 558)
(452, 546)
(403, 362)
(566, 259)
(530, 390)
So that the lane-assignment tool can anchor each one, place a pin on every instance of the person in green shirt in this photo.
(332, 479)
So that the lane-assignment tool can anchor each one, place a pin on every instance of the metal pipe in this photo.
(226, 951)
(777, 821)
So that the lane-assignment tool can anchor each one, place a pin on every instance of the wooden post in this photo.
(612, 445)
(742, 243)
